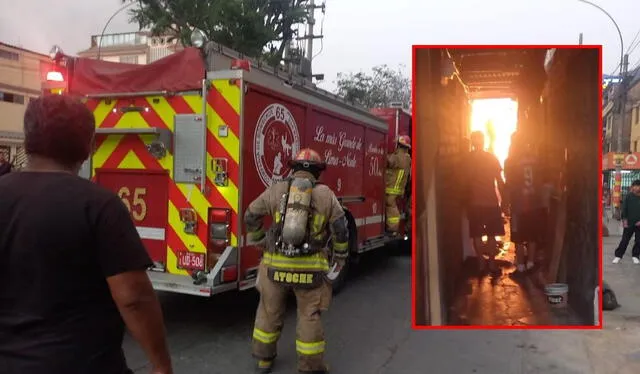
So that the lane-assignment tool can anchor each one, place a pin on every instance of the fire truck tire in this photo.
(339, 283)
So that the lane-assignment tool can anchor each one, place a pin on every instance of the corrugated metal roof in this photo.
(493, 72)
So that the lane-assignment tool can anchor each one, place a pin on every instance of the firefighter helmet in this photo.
(405, 141)
(308, 158)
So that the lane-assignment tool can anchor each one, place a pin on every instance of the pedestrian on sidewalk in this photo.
(631, 224)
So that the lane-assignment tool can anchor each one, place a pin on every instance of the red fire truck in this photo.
(188, 141)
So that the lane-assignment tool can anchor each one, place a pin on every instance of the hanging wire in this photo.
(456, 73)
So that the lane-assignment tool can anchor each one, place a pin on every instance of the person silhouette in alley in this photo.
(631, 223)
(482, 205)
(524, 188)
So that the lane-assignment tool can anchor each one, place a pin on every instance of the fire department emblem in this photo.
(276, 140)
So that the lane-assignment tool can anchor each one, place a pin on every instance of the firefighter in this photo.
(306, 216)
(397, 175)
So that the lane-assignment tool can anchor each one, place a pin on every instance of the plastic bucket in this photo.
(557, 294)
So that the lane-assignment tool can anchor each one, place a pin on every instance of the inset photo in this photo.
(507, 178)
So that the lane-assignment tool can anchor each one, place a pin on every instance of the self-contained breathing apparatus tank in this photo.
(294, 228)
(295, 208)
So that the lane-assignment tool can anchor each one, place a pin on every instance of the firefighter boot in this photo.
(264, 367)
(325, 371)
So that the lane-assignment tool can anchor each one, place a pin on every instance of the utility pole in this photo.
(580, 39)
(311, 7)
(311, 21)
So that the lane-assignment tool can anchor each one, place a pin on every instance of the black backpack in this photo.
(609, 299)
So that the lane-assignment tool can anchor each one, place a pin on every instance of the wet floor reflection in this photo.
(505, 299)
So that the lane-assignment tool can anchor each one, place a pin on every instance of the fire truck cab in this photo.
(188, 141)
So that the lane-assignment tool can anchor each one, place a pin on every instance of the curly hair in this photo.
(59, 128)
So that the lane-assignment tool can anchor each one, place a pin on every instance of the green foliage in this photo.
(379, 88)
(255, 28)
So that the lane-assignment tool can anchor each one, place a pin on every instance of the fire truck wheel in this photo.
(339, 283)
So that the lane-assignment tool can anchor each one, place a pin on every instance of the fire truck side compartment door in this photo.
(188, 156)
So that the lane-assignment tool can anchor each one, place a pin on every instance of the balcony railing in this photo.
(122, 39)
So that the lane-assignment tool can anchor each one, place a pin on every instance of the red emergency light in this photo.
(55, 76)
(241, 64)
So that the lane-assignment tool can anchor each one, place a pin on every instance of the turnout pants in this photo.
(393, 213)
(310, 343)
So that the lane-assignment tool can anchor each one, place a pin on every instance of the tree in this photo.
(379, 88)
(255, 28)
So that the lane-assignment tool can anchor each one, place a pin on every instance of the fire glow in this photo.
(497, 119)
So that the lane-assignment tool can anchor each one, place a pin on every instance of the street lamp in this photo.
(107, 24)
(621, 96)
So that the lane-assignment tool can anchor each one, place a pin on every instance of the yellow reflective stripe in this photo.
(316, 226)
(315, 262)
(256, 235)
(265, 337)
(393, 191)
(310, 349)
(393, 219)
(340, 247)
(276, 217)
(399, 179)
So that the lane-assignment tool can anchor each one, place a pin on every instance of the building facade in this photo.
(138, 47)
(20, 81)
(616, 186)
(633, 116)
(612, 121)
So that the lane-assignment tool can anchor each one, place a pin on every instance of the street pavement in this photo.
(368, 332)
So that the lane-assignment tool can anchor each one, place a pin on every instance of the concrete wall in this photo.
(442, 125)
(453, 128)
(428, 308)
(571, 130)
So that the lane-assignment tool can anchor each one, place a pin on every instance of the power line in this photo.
(632, 45)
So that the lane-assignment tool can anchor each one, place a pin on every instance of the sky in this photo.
(360, 34)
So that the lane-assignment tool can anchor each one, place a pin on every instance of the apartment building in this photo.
(20, 81)
(138, 47)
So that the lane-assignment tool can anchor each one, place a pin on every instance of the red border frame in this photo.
(414, 326)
